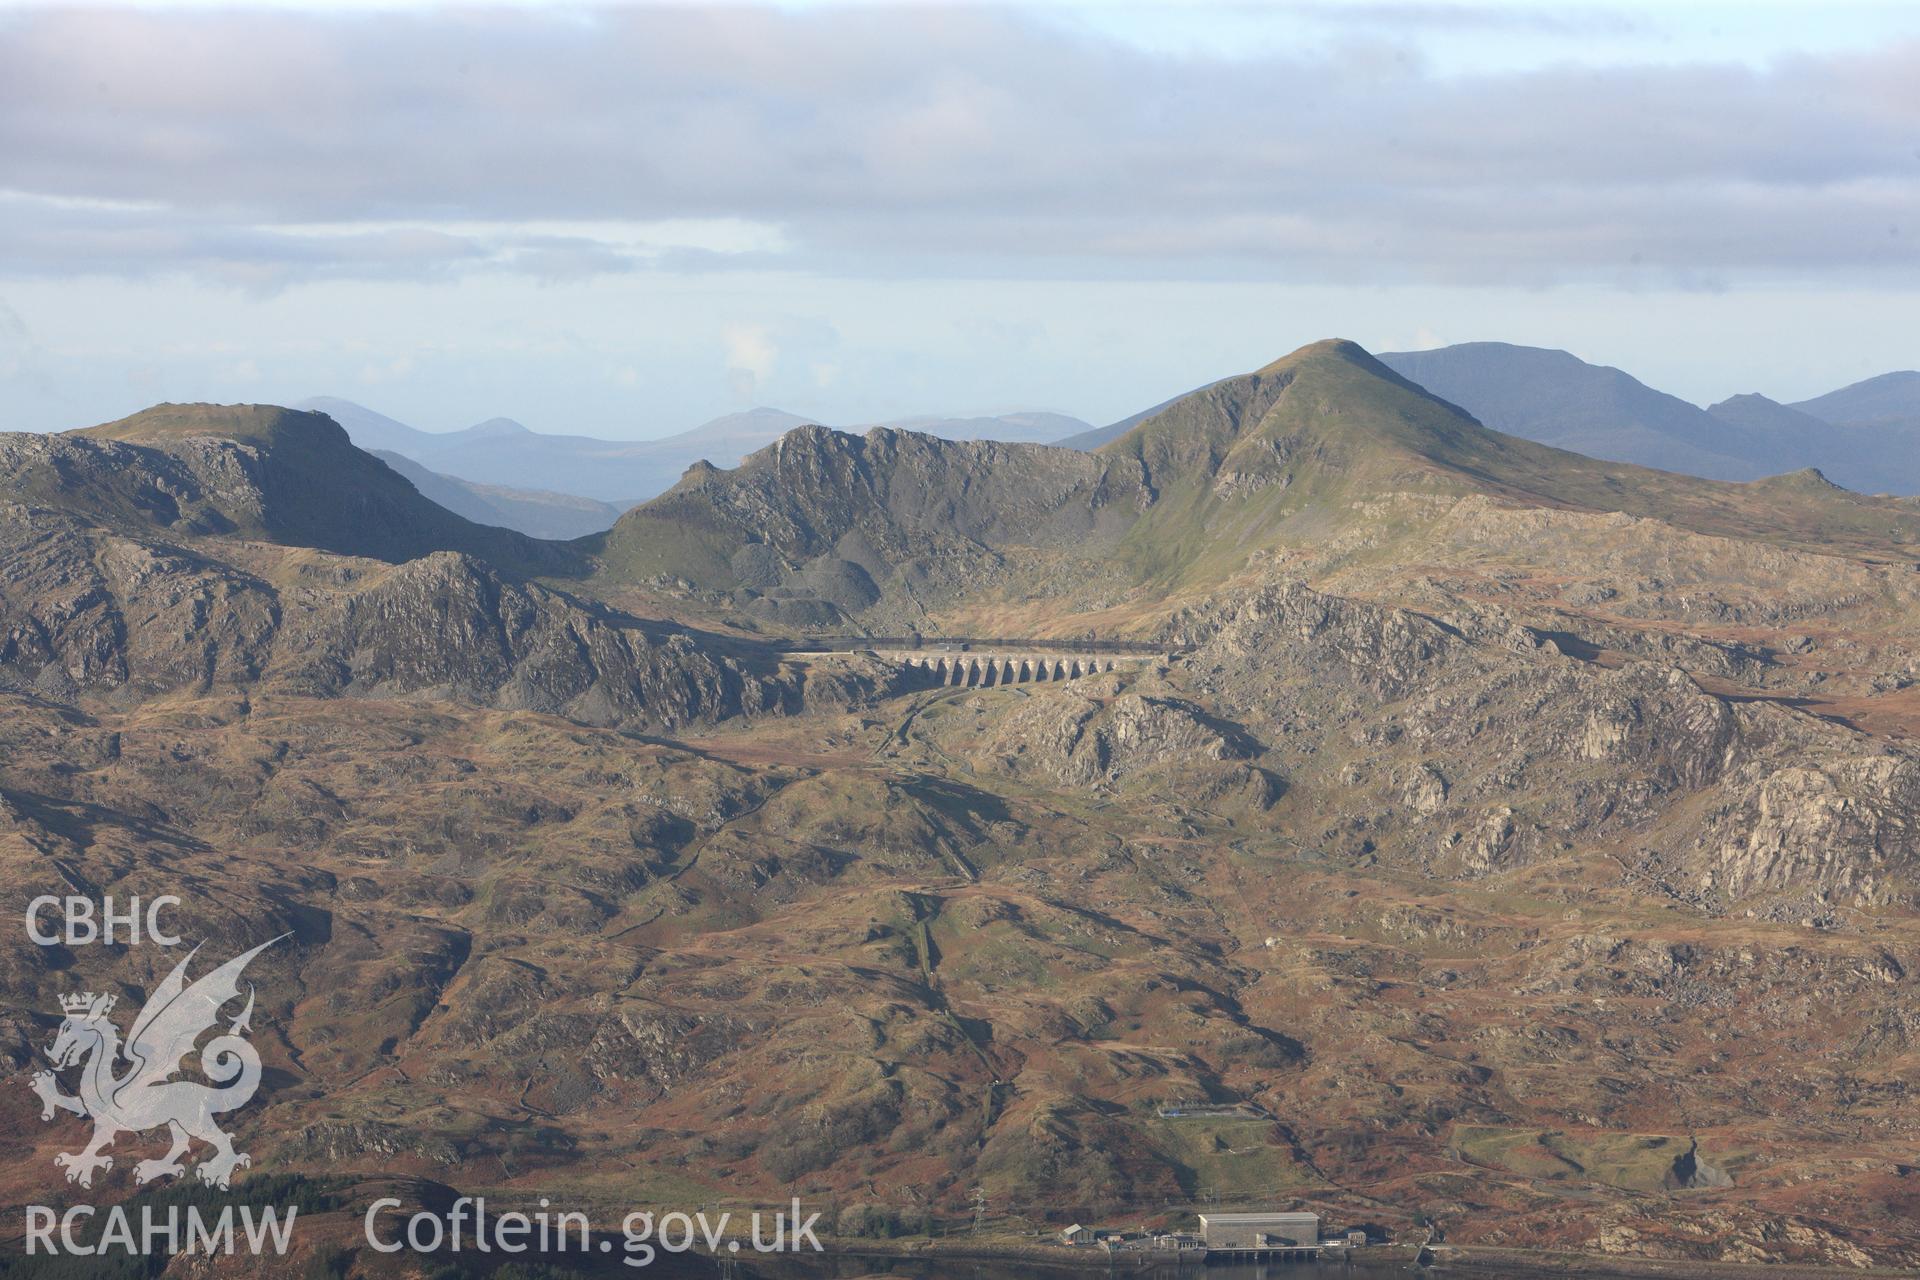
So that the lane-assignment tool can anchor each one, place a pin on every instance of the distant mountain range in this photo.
(1865, 436)
(500, 471)
(1892, 399)
(538, 513)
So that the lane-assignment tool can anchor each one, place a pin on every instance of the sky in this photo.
(622, 221)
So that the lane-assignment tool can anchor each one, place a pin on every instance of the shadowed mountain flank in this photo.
(252, 471)
(538, 513)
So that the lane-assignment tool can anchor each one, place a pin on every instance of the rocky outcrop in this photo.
(1691, 1172)
(1486, 753)
(87, 612)
(1836, 827)
(1288, 633)
(1723, 1238)
(447, 626)
(1082, 741)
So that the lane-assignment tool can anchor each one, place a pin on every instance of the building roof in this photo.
(1249, 1219)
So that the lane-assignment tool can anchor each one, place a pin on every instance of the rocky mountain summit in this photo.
(1491, 834)
(822, 527)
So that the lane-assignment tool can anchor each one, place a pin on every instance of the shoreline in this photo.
(1468, 1260)
(1503, 1260)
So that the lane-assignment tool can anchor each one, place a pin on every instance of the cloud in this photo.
(1557, 19)
(555, 260)
(751, 353)
(779, 355)
(269, 148)
(751, 350)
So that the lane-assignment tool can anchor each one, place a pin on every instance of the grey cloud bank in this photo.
(251, 149)
(624, 221)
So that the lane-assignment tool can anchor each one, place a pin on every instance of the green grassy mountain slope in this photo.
(1309, 447)
(1299, 447)
(1095, 437)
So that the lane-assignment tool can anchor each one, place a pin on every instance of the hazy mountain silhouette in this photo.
(503, 452)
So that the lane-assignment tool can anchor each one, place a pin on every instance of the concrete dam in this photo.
(978, 663)
(984, 670)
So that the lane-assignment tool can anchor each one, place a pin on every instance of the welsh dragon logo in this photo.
(145, 1096)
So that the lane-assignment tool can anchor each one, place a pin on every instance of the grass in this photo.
(1627, 1161)
(644, 545)
(1230, 1160)
(257, 424)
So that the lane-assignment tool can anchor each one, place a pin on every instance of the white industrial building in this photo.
(1260, 1230)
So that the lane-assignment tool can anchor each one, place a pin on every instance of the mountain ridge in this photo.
(1885, 399)
(1179, 503)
